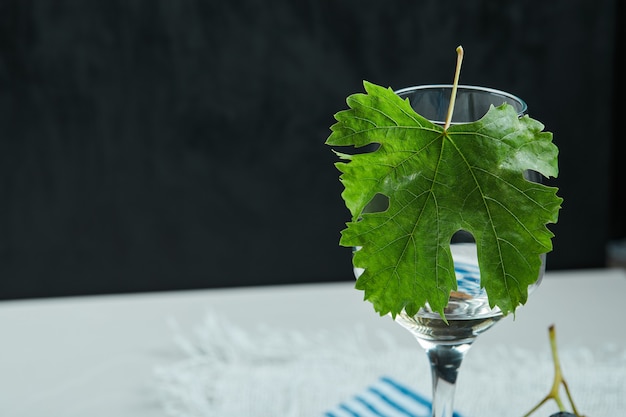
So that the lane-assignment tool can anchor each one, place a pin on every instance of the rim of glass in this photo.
(521, 112)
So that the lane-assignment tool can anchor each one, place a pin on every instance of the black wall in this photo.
(152, 145)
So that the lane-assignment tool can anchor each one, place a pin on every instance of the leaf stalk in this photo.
(455, 84)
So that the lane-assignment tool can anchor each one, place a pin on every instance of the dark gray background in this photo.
(152, 145)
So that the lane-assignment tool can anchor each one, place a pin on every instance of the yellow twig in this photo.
(559, 380)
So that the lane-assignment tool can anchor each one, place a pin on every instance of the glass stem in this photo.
(445, 361)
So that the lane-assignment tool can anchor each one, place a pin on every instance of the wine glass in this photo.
(468, 312)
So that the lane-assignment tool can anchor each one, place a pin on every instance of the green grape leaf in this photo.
(469, 177)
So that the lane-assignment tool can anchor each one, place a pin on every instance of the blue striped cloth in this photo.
(468, 278)
(385, 398)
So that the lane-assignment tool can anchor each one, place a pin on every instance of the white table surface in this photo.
(95, 356)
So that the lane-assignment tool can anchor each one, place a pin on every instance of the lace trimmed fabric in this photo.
(227, 371)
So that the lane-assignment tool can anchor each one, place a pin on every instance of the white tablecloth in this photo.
(97, 356)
